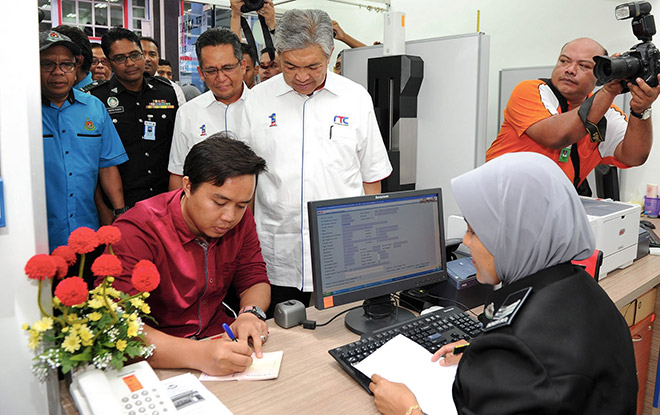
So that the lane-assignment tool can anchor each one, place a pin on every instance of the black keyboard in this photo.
(431, 331)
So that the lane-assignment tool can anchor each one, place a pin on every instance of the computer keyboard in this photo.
(431, 330)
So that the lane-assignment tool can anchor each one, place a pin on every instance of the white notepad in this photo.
(404, 361)
(268, 367)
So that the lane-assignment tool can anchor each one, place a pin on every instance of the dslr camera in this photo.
(643, 59)
(251, 5)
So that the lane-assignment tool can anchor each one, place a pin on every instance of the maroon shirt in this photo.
(194, 274)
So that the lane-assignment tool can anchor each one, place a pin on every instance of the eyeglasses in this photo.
(225, 69)
(121, 59)
(271, 64)
(101, 61)
(66, 67)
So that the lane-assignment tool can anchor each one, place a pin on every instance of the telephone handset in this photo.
(135, 389)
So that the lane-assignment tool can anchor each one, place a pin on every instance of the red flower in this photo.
(83, 240)
(106, 265)
(65, 252)
(145, 276)
(108, 235)
(62, 266)
(40, 267)
(72, 291)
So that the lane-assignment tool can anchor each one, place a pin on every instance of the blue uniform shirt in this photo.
(84, 82)
(79, 138)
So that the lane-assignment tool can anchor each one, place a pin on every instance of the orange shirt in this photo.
(532, 101)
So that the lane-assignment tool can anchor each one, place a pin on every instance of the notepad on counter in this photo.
(404, 361)
(268, 367)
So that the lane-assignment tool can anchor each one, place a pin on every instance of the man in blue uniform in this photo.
(80, 143)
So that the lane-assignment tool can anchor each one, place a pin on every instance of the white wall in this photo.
(523, 33)
(21, 166)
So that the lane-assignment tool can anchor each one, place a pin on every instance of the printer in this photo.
(616, 228)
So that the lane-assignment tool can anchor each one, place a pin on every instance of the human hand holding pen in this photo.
(445, 355)
(249, 327)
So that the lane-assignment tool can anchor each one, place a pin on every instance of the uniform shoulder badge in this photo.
(507, 312)
(93, 85)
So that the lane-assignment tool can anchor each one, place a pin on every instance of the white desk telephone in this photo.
(134, 390)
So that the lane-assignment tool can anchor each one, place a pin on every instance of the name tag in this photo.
(149, 130)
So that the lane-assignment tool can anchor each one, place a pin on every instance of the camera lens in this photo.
(608, 69)
(251, 5)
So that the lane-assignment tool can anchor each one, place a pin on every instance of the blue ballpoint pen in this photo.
(229, 332)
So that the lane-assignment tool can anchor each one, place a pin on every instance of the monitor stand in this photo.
(375, 314)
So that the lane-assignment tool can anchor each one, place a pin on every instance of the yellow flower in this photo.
(145, 295)
(121, 345)
(112, 292)
(95, 302)
(76, 327)
(65, 329)
(137, 302)
(44, 324)
(34, 339)
(133, 328)
(146, 309)
(25, 326)
(86, 336)
(94, 316)
(133, 317)
(72, 317)
(71, 343)
(56, 301)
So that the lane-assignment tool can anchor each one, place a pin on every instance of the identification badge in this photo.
(565, 154)
(149, 130)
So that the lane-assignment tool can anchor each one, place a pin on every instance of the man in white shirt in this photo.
(318, 133)
(221, 67)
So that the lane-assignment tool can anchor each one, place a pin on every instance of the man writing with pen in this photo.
(202, 239)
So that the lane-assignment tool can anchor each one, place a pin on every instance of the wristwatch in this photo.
(117, 212)
(645, 115)
(254, 310)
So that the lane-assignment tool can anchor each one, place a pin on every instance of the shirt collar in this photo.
(70, 98)
(207, 98)
(283, 88)
(117, 87)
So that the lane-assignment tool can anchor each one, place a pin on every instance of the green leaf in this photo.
(84, 356)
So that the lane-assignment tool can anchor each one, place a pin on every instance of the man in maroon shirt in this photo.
(202, 238)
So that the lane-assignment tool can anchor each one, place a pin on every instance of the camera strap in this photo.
(268, 40)
(596, 131)
(582, 189)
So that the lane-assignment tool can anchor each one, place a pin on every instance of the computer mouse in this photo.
(646, 224)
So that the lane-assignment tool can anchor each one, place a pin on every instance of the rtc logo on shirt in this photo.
(273, 120)
(203, 130)
(341, 120)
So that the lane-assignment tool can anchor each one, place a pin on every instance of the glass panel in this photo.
(89, 30)
(101, 14)
(116, 16)
(46, 14)
(85, 12)
(44, 4)
(100, 31)
(138, 3)
(45, 26)
(138, 13)
(68, 11)
(137, 24)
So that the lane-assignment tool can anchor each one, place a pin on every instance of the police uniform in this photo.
(565, 349)
(145, 122)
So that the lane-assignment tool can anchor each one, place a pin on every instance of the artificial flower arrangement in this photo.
(102, 327)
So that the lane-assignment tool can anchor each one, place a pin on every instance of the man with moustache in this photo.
(142, 109)
(80, 144)
(319, 135)
(557, 117)
(222, 68)
(100, 68)
(202, 238)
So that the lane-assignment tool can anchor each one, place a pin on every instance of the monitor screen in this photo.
(370, 246)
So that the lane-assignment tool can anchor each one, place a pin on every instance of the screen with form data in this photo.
(375, 245)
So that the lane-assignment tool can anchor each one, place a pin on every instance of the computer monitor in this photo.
(369, 247)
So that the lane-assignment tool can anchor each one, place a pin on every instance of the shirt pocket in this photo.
(340, 154)
(89, 147)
